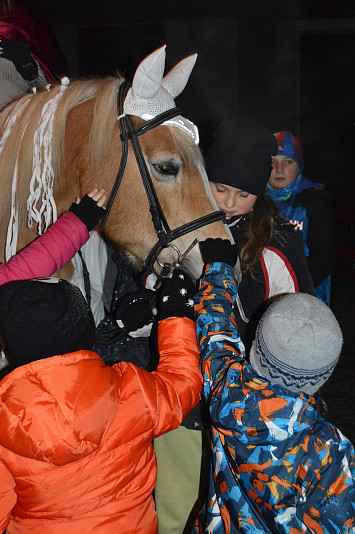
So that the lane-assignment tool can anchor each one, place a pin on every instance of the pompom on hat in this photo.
(297, 343)
(288, 145)
(40, 318)
(240, 154)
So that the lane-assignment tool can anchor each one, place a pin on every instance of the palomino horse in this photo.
(61, 142)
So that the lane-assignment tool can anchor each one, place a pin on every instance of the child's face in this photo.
(284, 172)
(231, 200)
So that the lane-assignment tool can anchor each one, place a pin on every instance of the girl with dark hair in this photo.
(271, 260)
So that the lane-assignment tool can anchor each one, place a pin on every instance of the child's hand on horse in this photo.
(99, 195)
(90, 208)
(220, 250)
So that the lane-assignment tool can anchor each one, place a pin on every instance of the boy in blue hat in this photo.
(308, 206)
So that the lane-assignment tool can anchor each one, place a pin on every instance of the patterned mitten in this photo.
(175, 296)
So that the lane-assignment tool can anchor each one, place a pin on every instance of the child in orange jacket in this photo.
(76, 450)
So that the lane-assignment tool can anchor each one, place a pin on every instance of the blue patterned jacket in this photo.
(278, 466)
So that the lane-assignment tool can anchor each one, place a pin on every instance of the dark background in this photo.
(289, 63)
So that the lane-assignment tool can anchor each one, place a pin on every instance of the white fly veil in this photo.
(153, 93)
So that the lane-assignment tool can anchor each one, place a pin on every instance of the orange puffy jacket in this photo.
(76, 451)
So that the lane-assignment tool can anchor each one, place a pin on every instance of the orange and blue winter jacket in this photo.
(278, 466)
(76, 452)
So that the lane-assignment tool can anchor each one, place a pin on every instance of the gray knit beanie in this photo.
(297, 343)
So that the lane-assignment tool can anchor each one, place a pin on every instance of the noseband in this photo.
(164, 233)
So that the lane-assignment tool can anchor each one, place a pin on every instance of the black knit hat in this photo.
(240, 154)
(43, 317)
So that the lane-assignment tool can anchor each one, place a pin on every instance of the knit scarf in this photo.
(278, 196)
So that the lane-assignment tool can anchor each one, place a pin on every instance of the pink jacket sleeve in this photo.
(47, 253)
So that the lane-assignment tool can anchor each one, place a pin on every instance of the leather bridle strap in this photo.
(120, 99)
(161, 227)
(182, 230)
(129, 133)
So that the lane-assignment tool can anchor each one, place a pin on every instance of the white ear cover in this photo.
(149, 74)
(176, 79)
(151, 94)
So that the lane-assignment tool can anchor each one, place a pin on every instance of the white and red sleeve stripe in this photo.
(279, 274)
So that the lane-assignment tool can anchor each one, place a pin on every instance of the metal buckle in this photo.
(177, 262)
(168, 267)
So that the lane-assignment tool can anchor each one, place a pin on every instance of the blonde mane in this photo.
(18, 145)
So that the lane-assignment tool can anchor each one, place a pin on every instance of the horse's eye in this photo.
(167, 168)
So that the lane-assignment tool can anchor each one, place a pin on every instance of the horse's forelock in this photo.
(188, 150)
(192, 157)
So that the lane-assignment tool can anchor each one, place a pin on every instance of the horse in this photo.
(65, 140)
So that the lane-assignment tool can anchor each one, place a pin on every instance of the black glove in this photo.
(20, 55)
(219, 250)
(135, 309)
(87, 211)
(175, 296)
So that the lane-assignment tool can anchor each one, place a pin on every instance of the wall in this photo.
(285, 62)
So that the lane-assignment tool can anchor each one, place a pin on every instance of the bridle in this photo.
(164, 233)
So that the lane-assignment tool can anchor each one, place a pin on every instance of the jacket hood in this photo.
(271, 412)
(57, 410)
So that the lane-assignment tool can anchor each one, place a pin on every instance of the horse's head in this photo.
(173, 161)
(61, 143)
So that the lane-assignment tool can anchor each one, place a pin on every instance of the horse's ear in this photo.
(149, 74)
(176, 79)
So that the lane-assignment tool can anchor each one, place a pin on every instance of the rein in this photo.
(164, 233)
